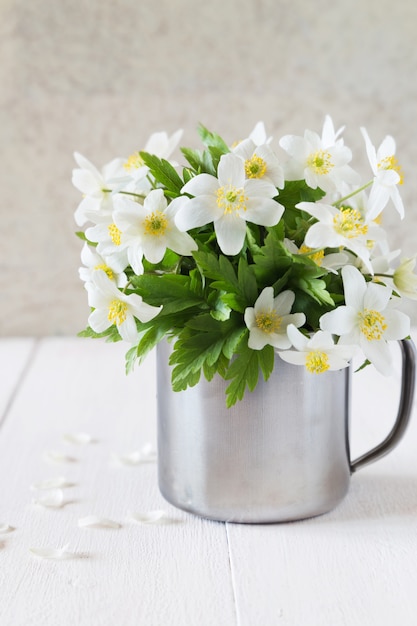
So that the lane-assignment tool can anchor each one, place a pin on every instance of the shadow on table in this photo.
(374, 497)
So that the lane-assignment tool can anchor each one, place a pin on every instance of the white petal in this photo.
(354, 286)
(298, 340)
(265, 301)
(5, 528)
(292, 357)
(231, 171)
(79, 438)
(398, 325)
(149, 517)
(376, 297)
(257, 188)
(257, 339)
(58, 457)
(99, 321)
(379, 354)
(53, 498)
(93, 521)
(263, 211)
(340, 321)
(284, 301)
(231, 232)
(52, 483)
(56, 554)
(321, 235)
(201, 185)
(387, 148)
(198, 212)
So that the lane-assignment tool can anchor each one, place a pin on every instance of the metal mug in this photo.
(280, 454)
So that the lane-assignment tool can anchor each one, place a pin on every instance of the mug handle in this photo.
(408, 352)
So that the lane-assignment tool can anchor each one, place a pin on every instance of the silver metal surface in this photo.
(281, 454)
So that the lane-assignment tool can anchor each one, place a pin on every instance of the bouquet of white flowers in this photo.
(241, 253)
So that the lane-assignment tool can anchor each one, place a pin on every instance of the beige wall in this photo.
(99, 76)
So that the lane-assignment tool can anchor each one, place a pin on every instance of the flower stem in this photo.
(126, 193)
(353, 193)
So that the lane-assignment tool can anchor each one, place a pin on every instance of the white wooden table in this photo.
(356, 566)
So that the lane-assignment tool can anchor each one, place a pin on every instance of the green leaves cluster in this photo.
(204, 298)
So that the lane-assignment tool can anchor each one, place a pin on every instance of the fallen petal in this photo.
(79, 438)
(52, 553)
(149, 517)
(52, 483)
(92, 521)
(54, 498)
(58, 457)
(5, 528)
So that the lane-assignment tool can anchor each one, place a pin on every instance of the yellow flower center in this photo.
(133, 162)
(372, 324)
(349, 223)
(155, 224)
(317, 362)
(255, 167)
(231, 199)
(115, 234)
(268, 321)
(117, 311)
(391, 163)
(105, 268)
(320, 161)
(316, 256)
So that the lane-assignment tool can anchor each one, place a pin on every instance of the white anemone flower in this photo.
(93, 262)
(112, 306)
(320, 161)
(387, 175)
(258, 134)
(331, 262)
(159, 144)
(269, 318)
(110, 244)
(260, 162)
(368, 319)
(318, 354)
(340, 227)
(150, 229)
(96, 187)
(229, 201)
(404, 278)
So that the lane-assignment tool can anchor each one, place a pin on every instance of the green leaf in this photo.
(163, 172)
(243, 372)
(212, 139)
(172, 291)
(111, 334)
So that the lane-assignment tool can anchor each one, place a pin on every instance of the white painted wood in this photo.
(176, 573)
(14, 355)
(355, 565)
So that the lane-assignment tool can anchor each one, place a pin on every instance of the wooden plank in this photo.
(14, 357)
(176, 573)
(355, 565)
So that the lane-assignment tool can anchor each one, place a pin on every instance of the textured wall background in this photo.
(99, 77)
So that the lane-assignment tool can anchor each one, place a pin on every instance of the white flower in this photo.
(340, 227)
(112, 306)
(96, 187)
(110, 242)
(319, 161)
(229, 201)
(94, 262)
(318, 354)
(268, 319)
(159, 144)
(330, 262)
(260, 162)
(387, 175)
(405, 280)
(258, 134)
(150, 229)
(367, 319)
